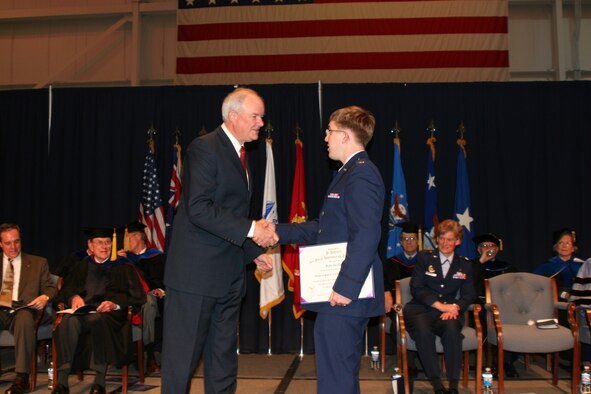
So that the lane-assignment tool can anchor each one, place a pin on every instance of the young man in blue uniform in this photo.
(352, 213)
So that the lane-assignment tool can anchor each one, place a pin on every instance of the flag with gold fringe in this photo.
(462, 204)
(431, 219)
(297, 214)
(271, 291)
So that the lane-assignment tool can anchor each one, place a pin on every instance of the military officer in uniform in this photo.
(442, 287)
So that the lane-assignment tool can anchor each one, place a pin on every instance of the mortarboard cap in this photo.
(556, 235)
(98, 232)
(489, 237)
(136, 227)
(408, 227)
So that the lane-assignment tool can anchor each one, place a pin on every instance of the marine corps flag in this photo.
(297, 214)
(431, 218)
(398, 204)
(462, 204)
(272, 292)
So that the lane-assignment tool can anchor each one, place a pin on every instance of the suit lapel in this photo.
(24, 274)
(231, 154)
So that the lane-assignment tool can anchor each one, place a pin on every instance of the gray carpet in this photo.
(263, 374)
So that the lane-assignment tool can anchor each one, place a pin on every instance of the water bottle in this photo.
(487, 381)
(375, 358)
(50, 376)
(397, 382)
(585, 386)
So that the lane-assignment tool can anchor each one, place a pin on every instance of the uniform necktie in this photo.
(6, 294)
(445, 267)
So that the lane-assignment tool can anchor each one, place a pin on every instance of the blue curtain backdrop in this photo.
(527, 143)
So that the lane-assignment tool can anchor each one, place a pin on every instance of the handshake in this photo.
(264, 234)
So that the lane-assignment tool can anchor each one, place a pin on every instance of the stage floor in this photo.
(286, 373)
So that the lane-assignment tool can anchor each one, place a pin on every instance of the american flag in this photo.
(151, 209)
(175, 189)
(337, 41)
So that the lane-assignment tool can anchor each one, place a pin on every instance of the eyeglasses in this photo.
(565, 243)
(488, 245)
(329, 131)
(407, 239)
(100, 242)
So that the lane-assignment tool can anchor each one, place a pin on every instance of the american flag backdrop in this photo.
(336, 41)
(151, 209)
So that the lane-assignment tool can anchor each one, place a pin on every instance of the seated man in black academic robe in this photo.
(150, 263)
(98, 339)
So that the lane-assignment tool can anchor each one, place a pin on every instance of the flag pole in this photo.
(269, 353)
(238, 338)
(301, 337)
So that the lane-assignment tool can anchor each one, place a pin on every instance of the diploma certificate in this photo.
(319, 267)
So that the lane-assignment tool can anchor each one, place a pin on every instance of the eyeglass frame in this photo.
(330, 131)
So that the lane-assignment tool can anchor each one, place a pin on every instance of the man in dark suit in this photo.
(213, 239)
(352, 213)
(442, 287)
(25, 281)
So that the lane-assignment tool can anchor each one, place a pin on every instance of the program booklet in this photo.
(319, 267)
(83, 310)
(547, 323)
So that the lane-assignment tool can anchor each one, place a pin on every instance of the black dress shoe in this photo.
(452, 391)
(97, 389)
(61, 389)
(20, 386)
(440, 391)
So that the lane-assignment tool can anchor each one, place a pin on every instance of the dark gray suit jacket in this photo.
(209, 246)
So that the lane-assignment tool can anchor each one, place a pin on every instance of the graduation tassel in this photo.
(114, 246)
(126, 246)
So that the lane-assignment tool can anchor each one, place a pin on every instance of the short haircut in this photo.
(450, 225)
(573, 240)
(360, 121)
(234, 101)
(10, 226)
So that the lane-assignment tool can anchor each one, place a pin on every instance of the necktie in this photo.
(6, 294)
(445, 267)
(243, 157)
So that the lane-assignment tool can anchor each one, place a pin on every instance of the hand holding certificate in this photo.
(319, 267)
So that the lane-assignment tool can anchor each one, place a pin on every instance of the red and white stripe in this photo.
(338, 41)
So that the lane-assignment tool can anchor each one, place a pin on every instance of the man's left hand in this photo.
(106, 306)
(336, 299)
(264, 262)
(39, 302)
